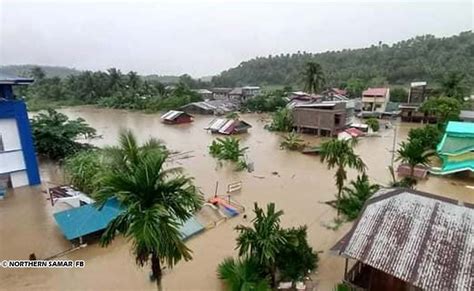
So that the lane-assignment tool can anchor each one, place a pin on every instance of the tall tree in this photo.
(313, 77)
(414, 153)
(264, 239)
(156, 201)
(56, 135)
(453, 85)
(340, 154)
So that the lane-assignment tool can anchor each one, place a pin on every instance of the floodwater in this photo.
(296, 183)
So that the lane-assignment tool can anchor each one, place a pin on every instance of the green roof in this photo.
(458, 139)
(453, 167)
(457, 127)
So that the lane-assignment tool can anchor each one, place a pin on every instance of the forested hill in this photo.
(424, 58)
(49, 71)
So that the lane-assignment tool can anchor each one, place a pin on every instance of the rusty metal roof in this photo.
(420, 238)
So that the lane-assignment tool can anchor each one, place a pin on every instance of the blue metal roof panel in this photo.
(190, 228)
(77, 222)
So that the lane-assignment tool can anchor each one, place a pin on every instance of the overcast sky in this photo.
(205, 37)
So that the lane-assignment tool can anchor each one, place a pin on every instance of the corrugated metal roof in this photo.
(11, 79)
(375, 92)
(172, 114)
(420, 238)
(228, 127)
(216, 124)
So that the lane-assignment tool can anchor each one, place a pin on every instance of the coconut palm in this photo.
(340, 154)
(155, 200)
(353, 198)
(292, 142)
(314, 79)
(242, 275)
(413, 153)
(264, 239)
(227, 149)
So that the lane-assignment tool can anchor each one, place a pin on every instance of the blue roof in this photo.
(190, 228)
(460, 127)
(14, 80)
(87, 219)
(80, 221)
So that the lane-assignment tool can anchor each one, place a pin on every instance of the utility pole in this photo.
(394, 143)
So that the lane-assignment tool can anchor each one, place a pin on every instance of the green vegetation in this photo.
(414, 153)
(429, 136)
(398, 95)
(268, 251)
(297, 257)
(353, 198)
(282, 120)
(108, 89)
(242, 275)
(313, 77)
(444, 108)
(292, 142)
(398, 63)
(373, 124)
(340, 154)
(267, 102)
(56, 136)
(83, 170)
(156, 201)
(454, 85)
(229, 149)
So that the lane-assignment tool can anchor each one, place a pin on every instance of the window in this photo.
(337, 119)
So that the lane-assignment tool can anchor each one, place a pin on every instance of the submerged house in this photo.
(220, 93)
(228, 126)
(410, 240)
(242, 94)
(410, 111)
(456, 149)
(211, 107)
(325, 118)
(375, 99)
(176, 117)
(18, 164)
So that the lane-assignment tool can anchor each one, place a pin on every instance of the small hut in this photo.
(176, 117)
(228, 126)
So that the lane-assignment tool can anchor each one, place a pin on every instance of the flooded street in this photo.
(295, 182)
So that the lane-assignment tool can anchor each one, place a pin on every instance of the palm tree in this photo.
(413, 153)
(242, 275)
(156, 201)
(292, 142)
(314, 79)
(353, 198)
(264, 240)
(340, 154)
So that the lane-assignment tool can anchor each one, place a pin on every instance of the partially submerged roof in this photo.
(7, 79)
(173, 114)
(87, 219)
(216, 106)
(227, 126)
(420, 238)
(375, 92)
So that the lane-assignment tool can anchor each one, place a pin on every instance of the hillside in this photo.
(421, 58)
(50, 71)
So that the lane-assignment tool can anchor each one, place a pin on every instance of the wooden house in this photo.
(176, 117)
(410, 240)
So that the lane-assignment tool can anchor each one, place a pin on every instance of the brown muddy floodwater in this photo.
(295, 182)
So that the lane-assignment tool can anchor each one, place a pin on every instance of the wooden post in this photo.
(345, 269)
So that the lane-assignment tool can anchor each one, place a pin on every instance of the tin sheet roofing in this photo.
(375, 92)
(11, 79)
(172, 114)
(420, 238)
